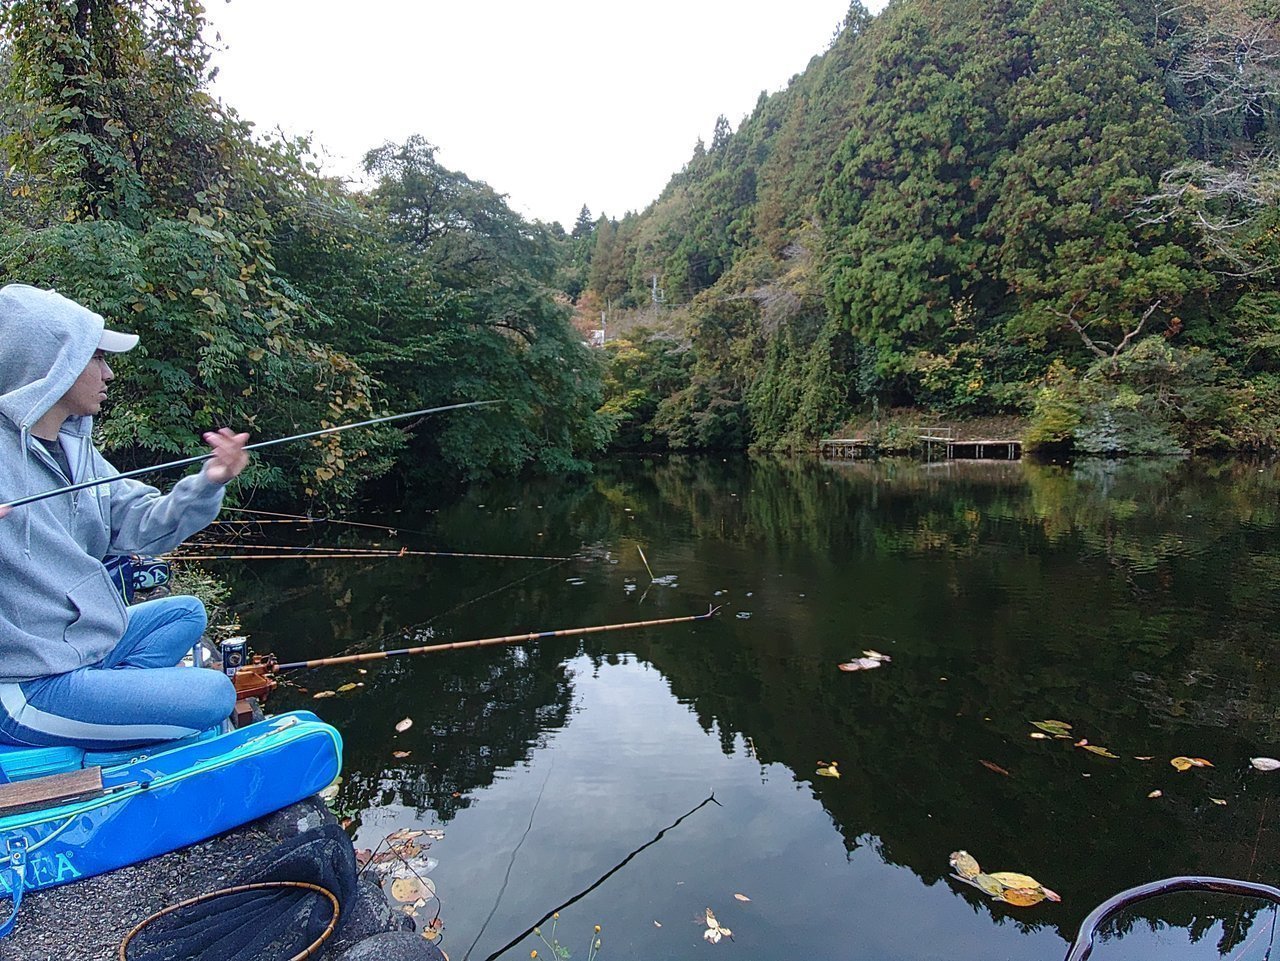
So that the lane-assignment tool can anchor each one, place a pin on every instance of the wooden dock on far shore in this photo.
(941, 440)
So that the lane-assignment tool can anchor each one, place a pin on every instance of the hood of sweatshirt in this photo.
(46, 340)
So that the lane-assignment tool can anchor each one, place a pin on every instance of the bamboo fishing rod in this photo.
(283, 550)
(257, 679)
(200, 458)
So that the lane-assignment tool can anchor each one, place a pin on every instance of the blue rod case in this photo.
(159, 798)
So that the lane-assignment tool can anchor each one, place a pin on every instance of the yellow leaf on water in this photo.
(1182, 763)
(1100, 751)
(987, 883)
(1056, 728)
(346, 687)
(714, 930)
(1022, 897)
(409, 890)
(965, 864)
(1011, 879)
(828, 770)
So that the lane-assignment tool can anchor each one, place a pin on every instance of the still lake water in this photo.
(1137, 601)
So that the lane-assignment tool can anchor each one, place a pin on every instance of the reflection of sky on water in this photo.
(769, 839)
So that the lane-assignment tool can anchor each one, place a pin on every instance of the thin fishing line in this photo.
(512, 863)
(1258, 837)
(391, 529)
(605, 877)
(403, 632)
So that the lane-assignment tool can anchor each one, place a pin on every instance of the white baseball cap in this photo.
(115, 342)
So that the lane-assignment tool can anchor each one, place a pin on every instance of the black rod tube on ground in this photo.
(97, 481)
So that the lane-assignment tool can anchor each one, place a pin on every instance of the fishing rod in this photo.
(199, 458)
(257, 679)
(283, 550)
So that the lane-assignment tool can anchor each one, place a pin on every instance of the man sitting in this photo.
(76, 665)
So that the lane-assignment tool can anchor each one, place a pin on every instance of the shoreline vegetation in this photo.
(1070, 216)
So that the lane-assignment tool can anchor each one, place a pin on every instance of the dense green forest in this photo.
(268, 296)
(1068, 211)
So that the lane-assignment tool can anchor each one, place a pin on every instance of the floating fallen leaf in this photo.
(1156, 793)
(331, 792)
(434, 833)
(877, 656)
(991, 766)
(1218, 800)
(400, 754)
(410, 890)
(346, 687)
(965, 864)
(657, 924)
(1020, 890)
(404, 725)
(1011, 879)
(1265, 763)
(320, 694)
(1100, 751)
(1022, 897)
(404, 834)
(431, 934)
(742, 897)
(987, 883)
(1187, 763)
(827, 770)
(1056, 728)
(1039, 735)
(860, 664)
(1144, 757)
(714, 931)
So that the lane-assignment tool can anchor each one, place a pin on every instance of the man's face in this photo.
(86, 395)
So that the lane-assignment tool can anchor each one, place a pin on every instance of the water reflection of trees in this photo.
(1170, 646)
(1083, 593)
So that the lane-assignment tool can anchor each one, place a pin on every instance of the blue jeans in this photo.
(136, 695)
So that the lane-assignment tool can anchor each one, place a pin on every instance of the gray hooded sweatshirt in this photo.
(58, 608)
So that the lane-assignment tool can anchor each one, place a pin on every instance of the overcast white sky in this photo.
(555, 103)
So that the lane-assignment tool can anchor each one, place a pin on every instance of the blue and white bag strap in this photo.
(14, 874)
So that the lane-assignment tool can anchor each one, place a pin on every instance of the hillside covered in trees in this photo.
(269, 297)
(1064, 209)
